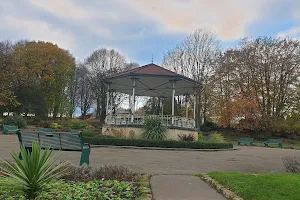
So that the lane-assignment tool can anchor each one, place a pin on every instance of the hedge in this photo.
(156, 143)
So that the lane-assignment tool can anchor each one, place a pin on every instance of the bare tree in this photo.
(131, 65)
(196, 57)
(72, 93)
(101, 63)
(85, 94)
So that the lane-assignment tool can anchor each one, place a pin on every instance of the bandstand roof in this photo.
(151, 80)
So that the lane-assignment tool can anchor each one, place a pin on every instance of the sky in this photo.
(139, 29)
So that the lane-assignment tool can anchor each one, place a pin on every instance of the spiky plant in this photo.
(153, 129)
(33, 172)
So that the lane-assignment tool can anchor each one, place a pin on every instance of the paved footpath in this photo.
(159, 162)
(182, 187)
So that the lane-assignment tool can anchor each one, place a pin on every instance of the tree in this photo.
(47, 69)
(264, 70)
(85, 95)
(72, 94)
(131, 65)
(196, 58)
(101, 63)
(7, 96)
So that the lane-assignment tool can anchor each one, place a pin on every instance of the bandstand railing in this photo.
(125, 119)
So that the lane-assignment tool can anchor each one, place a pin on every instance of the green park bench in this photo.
(63, 141)
(9, 129)
(273, 142)
(48, 130)
(247, 141)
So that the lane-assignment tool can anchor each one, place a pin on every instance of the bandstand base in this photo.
(135, 131)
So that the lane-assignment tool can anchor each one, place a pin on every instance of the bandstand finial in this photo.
(152, 59)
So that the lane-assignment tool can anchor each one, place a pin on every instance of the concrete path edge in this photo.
(160, 148)
(220, 188)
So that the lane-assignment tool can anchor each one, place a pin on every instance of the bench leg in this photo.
(85, 156)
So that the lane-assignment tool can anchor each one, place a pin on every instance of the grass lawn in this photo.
(262, 186)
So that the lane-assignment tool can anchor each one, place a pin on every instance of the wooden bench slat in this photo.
(57, 141)
(28, 137)
(71, 141)
(50, 141)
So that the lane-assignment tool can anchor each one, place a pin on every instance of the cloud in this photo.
(137, 27)
(40, 30)
(292, 32)
(228, 19)
(70, 9)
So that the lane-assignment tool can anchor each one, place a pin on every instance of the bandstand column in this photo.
(173, 101)
(194, 109)
(162, 106)
(133, 100)
(186, 106)
(107, 102)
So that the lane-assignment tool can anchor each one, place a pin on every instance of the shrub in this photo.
(77, 173)
(292, 164)
(90, 127)
(156, 143)
(68, 190)
(45, 124)
(208, 126)
(187, 137)
(77, 124)
(216, 137)
(34, 172)
(113, 172)
(153, 129)
(56, 126)
(89, 133)
(15, 120)
(200, 136)
(107, 172)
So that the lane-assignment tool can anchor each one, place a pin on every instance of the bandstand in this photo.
(153, 81)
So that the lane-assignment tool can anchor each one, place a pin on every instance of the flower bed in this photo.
(59, 189)
(156, 143)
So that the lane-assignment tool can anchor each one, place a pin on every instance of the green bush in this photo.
(77, 124)
(153, 129)
(106, 172)
(56, 126)
(200, 136)
(15, 121)
(91, 127)
(89, 133)
(156, 143)
(208, 126)
(216, 137)
(68, 190)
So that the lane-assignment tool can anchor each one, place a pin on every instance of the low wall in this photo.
(136, 132)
